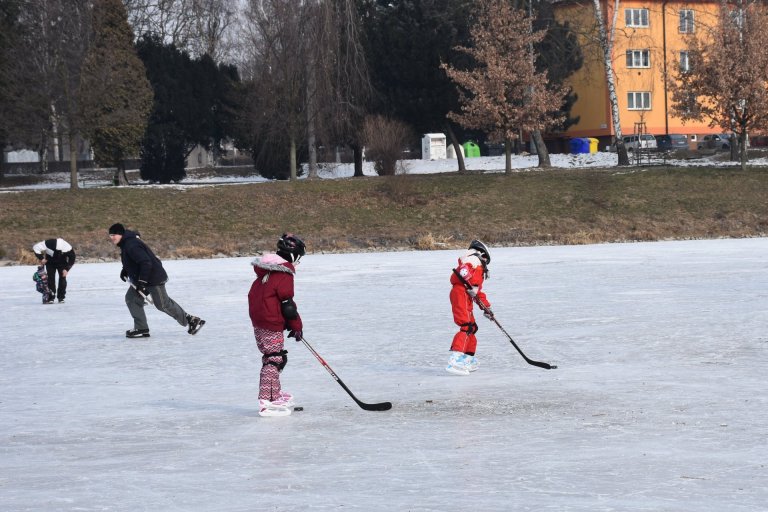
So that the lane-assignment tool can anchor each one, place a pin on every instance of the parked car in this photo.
(645, 141)
(716, 141)
(672, 142)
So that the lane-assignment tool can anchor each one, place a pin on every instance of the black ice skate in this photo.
(194, 324)
(137, 333)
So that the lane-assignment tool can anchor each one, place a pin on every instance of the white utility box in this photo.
(433, 146)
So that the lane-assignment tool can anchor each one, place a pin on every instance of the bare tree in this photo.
(171, 21)
(201, 27)
(212, 20)
(338, 84)
(47, 60)
(505, 93)
(307, 64)
(727, 83)
(278, 70)
(607, 39)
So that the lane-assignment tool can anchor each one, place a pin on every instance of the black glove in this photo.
(296, 334)
(142, 288)
(123, 275)
(488, 314)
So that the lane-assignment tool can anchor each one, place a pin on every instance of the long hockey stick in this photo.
(383, 406)
(477, 301)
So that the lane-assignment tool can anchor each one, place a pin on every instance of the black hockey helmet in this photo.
(290, 247)
(482, 251)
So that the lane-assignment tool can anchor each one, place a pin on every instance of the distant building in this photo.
(649, 44)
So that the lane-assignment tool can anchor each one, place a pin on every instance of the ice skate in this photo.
(286, 399)
(472, 363)
(194, 324)
(137, 333)
(458, 364)
(274, 408)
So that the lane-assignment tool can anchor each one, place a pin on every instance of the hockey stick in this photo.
(147, 298)
(383, 406)
(477, 301)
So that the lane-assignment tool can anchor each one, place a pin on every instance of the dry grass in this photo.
(406, 211)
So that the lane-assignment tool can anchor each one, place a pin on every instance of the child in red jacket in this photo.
(272, 310)
(473, 269)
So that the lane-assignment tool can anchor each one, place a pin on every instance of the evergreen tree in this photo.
(195, 104)
(406, 42)
(116, 96)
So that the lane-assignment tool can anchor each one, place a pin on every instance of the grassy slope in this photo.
(419, 211)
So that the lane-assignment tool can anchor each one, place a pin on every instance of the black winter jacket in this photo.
(139, 262)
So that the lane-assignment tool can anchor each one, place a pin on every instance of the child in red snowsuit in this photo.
(272, 310)
(473, 269)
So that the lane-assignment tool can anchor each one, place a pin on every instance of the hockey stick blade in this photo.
(382, 406)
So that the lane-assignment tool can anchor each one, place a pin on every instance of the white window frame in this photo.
(687, 21)
(639, 100)
(639, 58)
(636, 18)
(685, 61)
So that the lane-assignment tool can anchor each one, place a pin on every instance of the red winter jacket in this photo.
(273, 284)
(471, 269)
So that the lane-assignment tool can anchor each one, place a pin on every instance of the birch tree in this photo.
(504, 93)
(727, 83)
(606, 39)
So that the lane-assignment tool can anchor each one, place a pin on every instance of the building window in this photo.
(638, 58)
(639, 101)
(686, 21)
(636, 17)
(685, 63)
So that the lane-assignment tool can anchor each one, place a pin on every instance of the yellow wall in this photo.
(589, 82)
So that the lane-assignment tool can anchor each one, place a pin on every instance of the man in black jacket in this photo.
(147, 278)
(58, 257)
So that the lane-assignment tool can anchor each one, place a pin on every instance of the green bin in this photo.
(471, 149)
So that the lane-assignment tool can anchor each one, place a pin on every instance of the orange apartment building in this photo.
(650, 43)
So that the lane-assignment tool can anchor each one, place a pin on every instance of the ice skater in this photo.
(273, 310)
(147, 278)
(473, 269)
(58, 256)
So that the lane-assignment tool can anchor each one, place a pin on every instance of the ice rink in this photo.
(658, 403)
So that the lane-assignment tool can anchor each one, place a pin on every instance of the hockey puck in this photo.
(298, 408)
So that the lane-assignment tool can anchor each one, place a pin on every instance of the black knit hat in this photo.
(117, 229)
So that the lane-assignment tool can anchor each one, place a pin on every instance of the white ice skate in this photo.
(286, 399)
(472, 363)
(458, 364)
(274, 408)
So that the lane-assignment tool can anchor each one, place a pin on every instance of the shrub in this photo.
(385, 139)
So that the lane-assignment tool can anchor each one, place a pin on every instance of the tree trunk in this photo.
(292, 157)
(73, 162)
(121, 178)
(541, 149)
(312, 150)
(457, 149)
(507, 156)
(743, 150)
(357, 151)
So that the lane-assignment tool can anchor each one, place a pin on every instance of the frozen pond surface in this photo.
(658, 404)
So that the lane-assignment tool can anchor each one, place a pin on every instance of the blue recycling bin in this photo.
(579, 145)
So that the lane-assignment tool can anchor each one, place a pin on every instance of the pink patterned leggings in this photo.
(269, 342)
